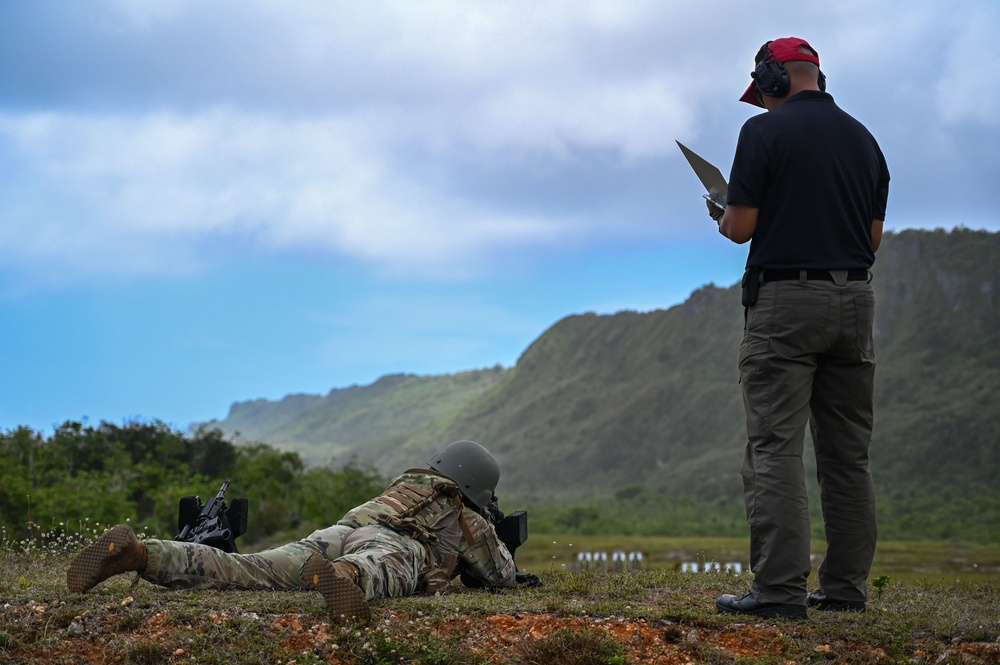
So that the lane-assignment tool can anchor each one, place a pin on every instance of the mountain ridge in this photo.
(649, 403)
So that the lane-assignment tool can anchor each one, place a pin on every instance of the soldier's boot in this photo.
(337, 582)
(116, 551)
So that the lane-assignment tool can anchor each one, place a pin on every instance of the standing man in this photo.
(808, 189)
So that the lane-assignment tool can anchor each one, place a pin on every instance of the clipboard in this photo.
(709, 175)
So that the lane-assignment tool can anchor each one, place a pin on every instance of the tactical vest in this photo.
(410, 506)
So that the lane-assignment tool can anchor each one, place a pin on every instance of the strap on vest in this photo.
(470, 540)
(408, 500)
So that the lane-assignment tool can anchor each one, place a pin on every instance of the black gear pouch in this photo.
(751, 286)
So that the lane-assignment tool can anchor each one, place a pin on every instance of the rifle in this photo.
(512, 530)
(214, 524)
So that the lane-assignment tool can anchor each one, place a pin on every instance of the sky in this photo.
(209, 203)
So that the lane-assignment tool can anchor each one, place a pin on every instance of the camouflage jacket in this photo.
(427, 506)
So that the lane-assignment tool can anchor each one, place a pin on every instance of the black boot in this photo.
(747, 604)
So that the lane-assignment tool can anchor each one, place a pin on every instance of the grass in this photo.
(917, 561)
(577, 618)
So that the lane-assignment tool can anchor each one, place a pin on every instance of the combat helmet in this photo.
(472, 467)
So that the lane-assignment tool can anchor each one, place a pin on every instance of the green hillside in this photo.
(635, 413)
(365, 421)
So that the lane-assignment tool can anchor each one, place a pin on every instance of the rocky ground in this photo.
(51, 632)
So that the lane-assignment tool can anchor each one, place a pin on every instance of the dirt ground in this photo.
(103, 637)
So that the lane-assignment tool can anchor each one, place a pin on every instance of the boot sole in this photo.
(344, 599)
(87, 569)
(824, 604)
(834, 606)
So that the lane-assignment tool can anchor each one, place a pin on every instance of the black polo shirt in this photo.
(818, 178)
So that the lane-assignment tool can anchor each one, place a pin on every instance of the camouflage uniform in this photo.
(414, 537)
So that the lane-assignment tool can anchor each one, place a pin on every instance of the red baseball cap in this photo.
(785, 49)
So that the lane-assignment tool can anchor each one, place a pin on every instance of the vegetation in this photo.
(138, 472)
(911, 561)
(649, 616)
(377, 418)
(82, 479)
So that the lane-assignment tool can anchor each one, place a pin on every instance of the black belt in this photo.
(857, 275)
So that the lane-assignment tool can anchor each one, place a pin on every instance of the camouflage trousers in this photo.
(391, 564)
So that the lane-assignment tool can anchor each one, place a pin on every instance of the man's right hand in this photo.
(714, 211)
(527, 579)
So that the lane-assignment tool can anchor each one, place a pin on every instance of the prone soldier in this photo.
(429, 526)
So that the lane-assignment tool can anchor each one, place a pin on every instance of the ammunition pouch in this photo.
(409, 526)
(437, 579)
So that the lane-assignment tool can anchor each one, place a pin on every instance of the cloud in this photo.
(147, 190)
(153, 138)
(341, 132)
(969, 87)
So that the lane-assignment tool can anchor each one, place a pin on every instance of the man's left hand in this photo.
(493, 512)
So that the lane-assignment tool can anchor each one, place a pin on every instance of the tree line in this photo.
(138, 472)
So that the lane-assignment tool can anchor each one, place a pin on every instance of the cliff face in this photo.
(598, 403)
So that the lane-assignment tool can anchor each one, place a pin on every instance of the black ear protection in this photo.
(771, 76)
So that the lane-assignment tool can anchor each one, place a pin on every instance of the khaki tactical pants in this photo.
(808, 355)
(391, 564)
